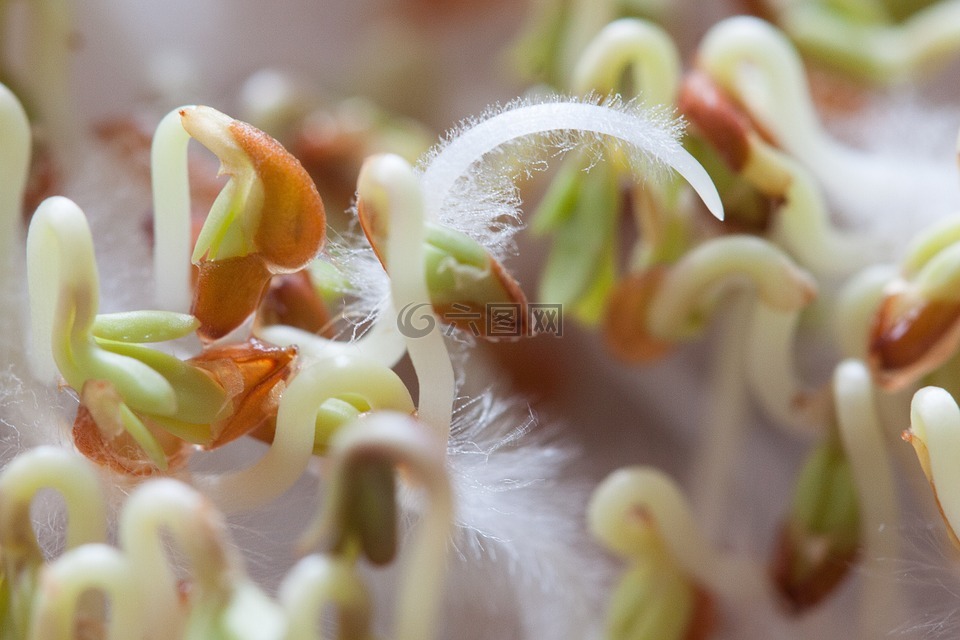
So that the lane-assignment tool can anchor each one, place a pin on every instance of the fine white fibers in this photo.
(520, 514)
(471, 190)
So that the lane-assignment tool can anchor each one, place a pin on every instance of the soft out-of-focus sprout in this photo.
(356, 515)
(935, 435)
(582, 207)
(556, 32)
(293, 300)
(874, 45)
(40, 72)
(317, 582)
(333, 141)
(655, 598)
(330, 139)
(387, 184)
(674, 304)
(91, 567)
(20, 555)
(685, 294)
(866, 449)
(637, 46)
(821, 537)
(267, 219)
(855, 307)
(273, 101)
(754, 64)
(14, 167)
(800, 221)
(638, 511)
(916, 327)
(221, 600)
(312, 409)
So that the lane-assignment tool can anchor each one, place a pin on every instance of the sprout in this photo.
(637, 511)
(223, 603)
(14, 167)
(873, 46)
(360, 454)
(89, 567)
(267, 219)
(387, 183)
(863, 442)
(20, 553)
(820, 540)
(801, 223)
(915, 328)
(300, 431)
(317, 582)
(935, 435)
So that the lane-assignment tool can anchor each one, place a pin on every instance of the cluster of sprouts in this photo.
(732, 214)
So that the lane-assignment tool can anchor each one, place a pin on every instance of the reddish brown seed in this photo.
(253, 374)
(717, 118)
(227, 292)
(293, 223)
(806, 571)
(292, 300)
(911, 337)
(625, 322)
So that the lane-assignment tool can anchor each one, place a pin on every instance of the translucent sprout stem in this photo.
(293, 443)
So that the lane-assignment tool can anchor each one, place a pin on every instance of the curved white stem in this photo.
(454, 160)
(642, 47)
(879, 514)
(67, 473)
(389, 184)
(771, 370)
(171, 506)
(293, 441)
(403, 441)
(725, 416)
(691, 287)
(92, 566)
(59, 259)
(382, 341)
(64, 297)
(317, 582)
(632, 498)
(169, 172)
(756, 64)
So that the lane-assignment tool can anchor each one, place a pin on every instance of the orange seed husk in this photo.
(254, 375)
(293, 225)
